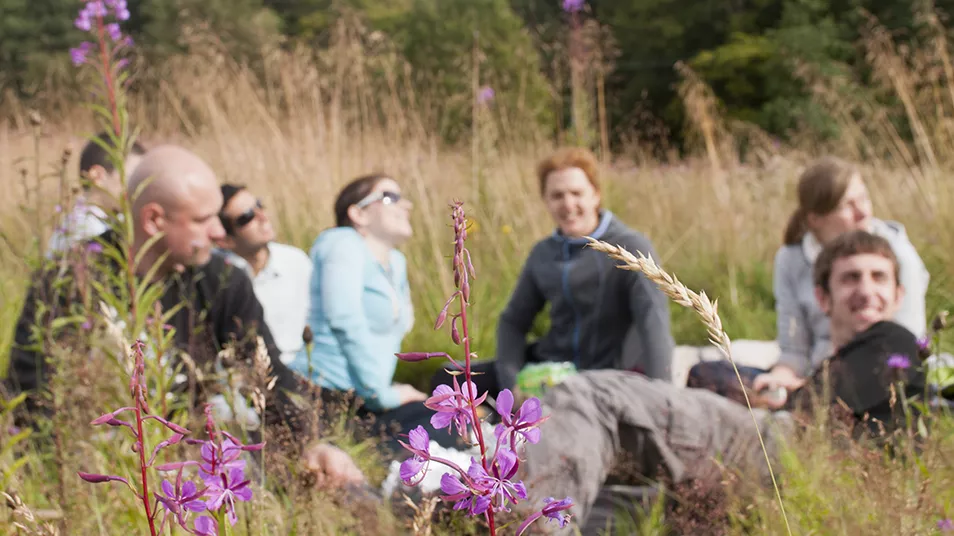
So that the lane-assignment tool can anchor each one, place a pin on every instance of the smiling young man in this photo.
(690, 434)
(280, 273)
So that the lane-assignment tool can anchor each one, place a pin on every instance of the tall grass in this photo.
(309, 121)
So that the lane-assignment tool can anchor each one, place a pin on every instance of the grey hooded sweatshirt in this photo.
(601, 317)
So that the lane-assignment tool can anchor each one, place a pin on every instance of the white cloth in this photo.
(83, 222)
(282, 289)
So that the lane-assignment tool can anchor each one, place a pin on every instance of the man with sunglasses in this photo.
(280, 273)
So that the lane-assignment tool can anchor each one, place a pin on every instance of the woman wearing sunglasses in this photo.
(361, 307)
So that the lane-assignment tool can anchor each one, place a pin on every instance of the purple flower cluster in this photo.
(489, 484)
(899, 362)
(221, 469)
(572, 6)
(485, 94)
(92, 18)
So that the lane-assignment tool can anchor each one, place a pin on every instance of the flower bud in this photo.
(940, 321)
(307, 336)
(455, 334)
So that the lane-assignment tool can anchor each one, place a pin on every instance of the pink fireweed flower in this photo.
(453, 405)
(481, 490)
(899, 362)
(420, 447)
(206, 526)
(226, 490)
(485, 94)
(525, 423)
(222, 457)
(113, 31)
(572, 6)
(78, 54)
(181, 499)
(553, 511)
(497, 483)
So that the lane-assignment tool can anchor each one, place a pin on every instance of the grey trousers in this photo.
(608, 427)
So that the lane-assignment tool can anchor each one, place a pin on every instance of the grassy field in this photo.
(716, 222)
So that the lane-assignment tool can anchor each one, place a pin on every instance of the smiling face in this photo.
(572, 201)
(853, 213)
(250, 228)
(384, 213)
(864, 290)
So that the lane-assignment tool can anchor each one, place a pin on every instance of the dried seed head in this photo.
(940, 321)
(307, 336)
(35, 118)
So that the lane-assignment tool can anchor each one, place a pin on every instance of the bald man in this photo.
(176, 202)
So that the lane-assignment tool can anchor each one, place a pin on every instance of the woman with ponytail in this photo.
(832, 200)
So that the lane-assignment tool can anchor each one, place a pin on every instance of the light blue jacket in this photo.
(359, 315)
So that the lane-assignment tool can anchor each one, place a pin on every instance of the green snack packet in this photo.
(535, 378)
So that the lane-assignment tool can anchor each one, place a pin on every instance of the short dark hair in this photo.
(848, 245)
(228, 192)
(95, 155)
(352, 193)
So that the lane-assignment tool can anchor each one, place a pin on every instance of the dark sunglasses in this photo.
(386, 198)
(246, 217)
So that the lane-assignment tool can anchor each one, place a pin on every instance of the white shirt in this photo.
(282, 289)
(83, 222)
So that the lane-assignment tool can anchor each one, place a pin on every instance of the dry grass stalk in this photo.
(23, 512)
(421, 524)
(706, 309)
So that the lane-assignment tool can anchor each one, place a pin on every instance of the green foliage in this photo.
(34, 34)
(441, 39)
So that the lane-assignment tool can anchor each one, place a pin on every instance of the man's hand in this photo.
(332, 466)
(780, 376)
(408, 394)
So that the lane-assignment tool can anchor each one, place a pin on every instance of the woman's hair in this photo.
(352, 193)
(569, 157)
(820, 188)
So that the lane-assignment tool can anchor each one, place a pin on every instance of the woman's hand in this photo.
(332, 466)
(408, 394)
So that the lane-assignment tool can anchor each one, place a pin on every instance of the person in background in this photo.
(175, 226)
(832, 200)
(101, 188)
(361, 307)
(280, 273)
(652, 429)
(601, 317)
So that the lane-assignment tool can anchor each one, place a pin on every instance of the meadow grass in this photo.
(316, 121)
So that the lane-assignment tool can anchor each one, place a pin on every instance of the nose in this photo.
(866, 285)
(216, 231)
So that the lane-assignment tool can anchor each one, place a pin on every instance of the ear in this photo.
(153, 218)
(97, 174)
(811, 220)
(356, 215)
(824, 300)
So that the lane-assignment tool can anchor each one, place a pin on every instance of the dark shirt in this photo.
(859, 376)
(601, 317)
(218, 307)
